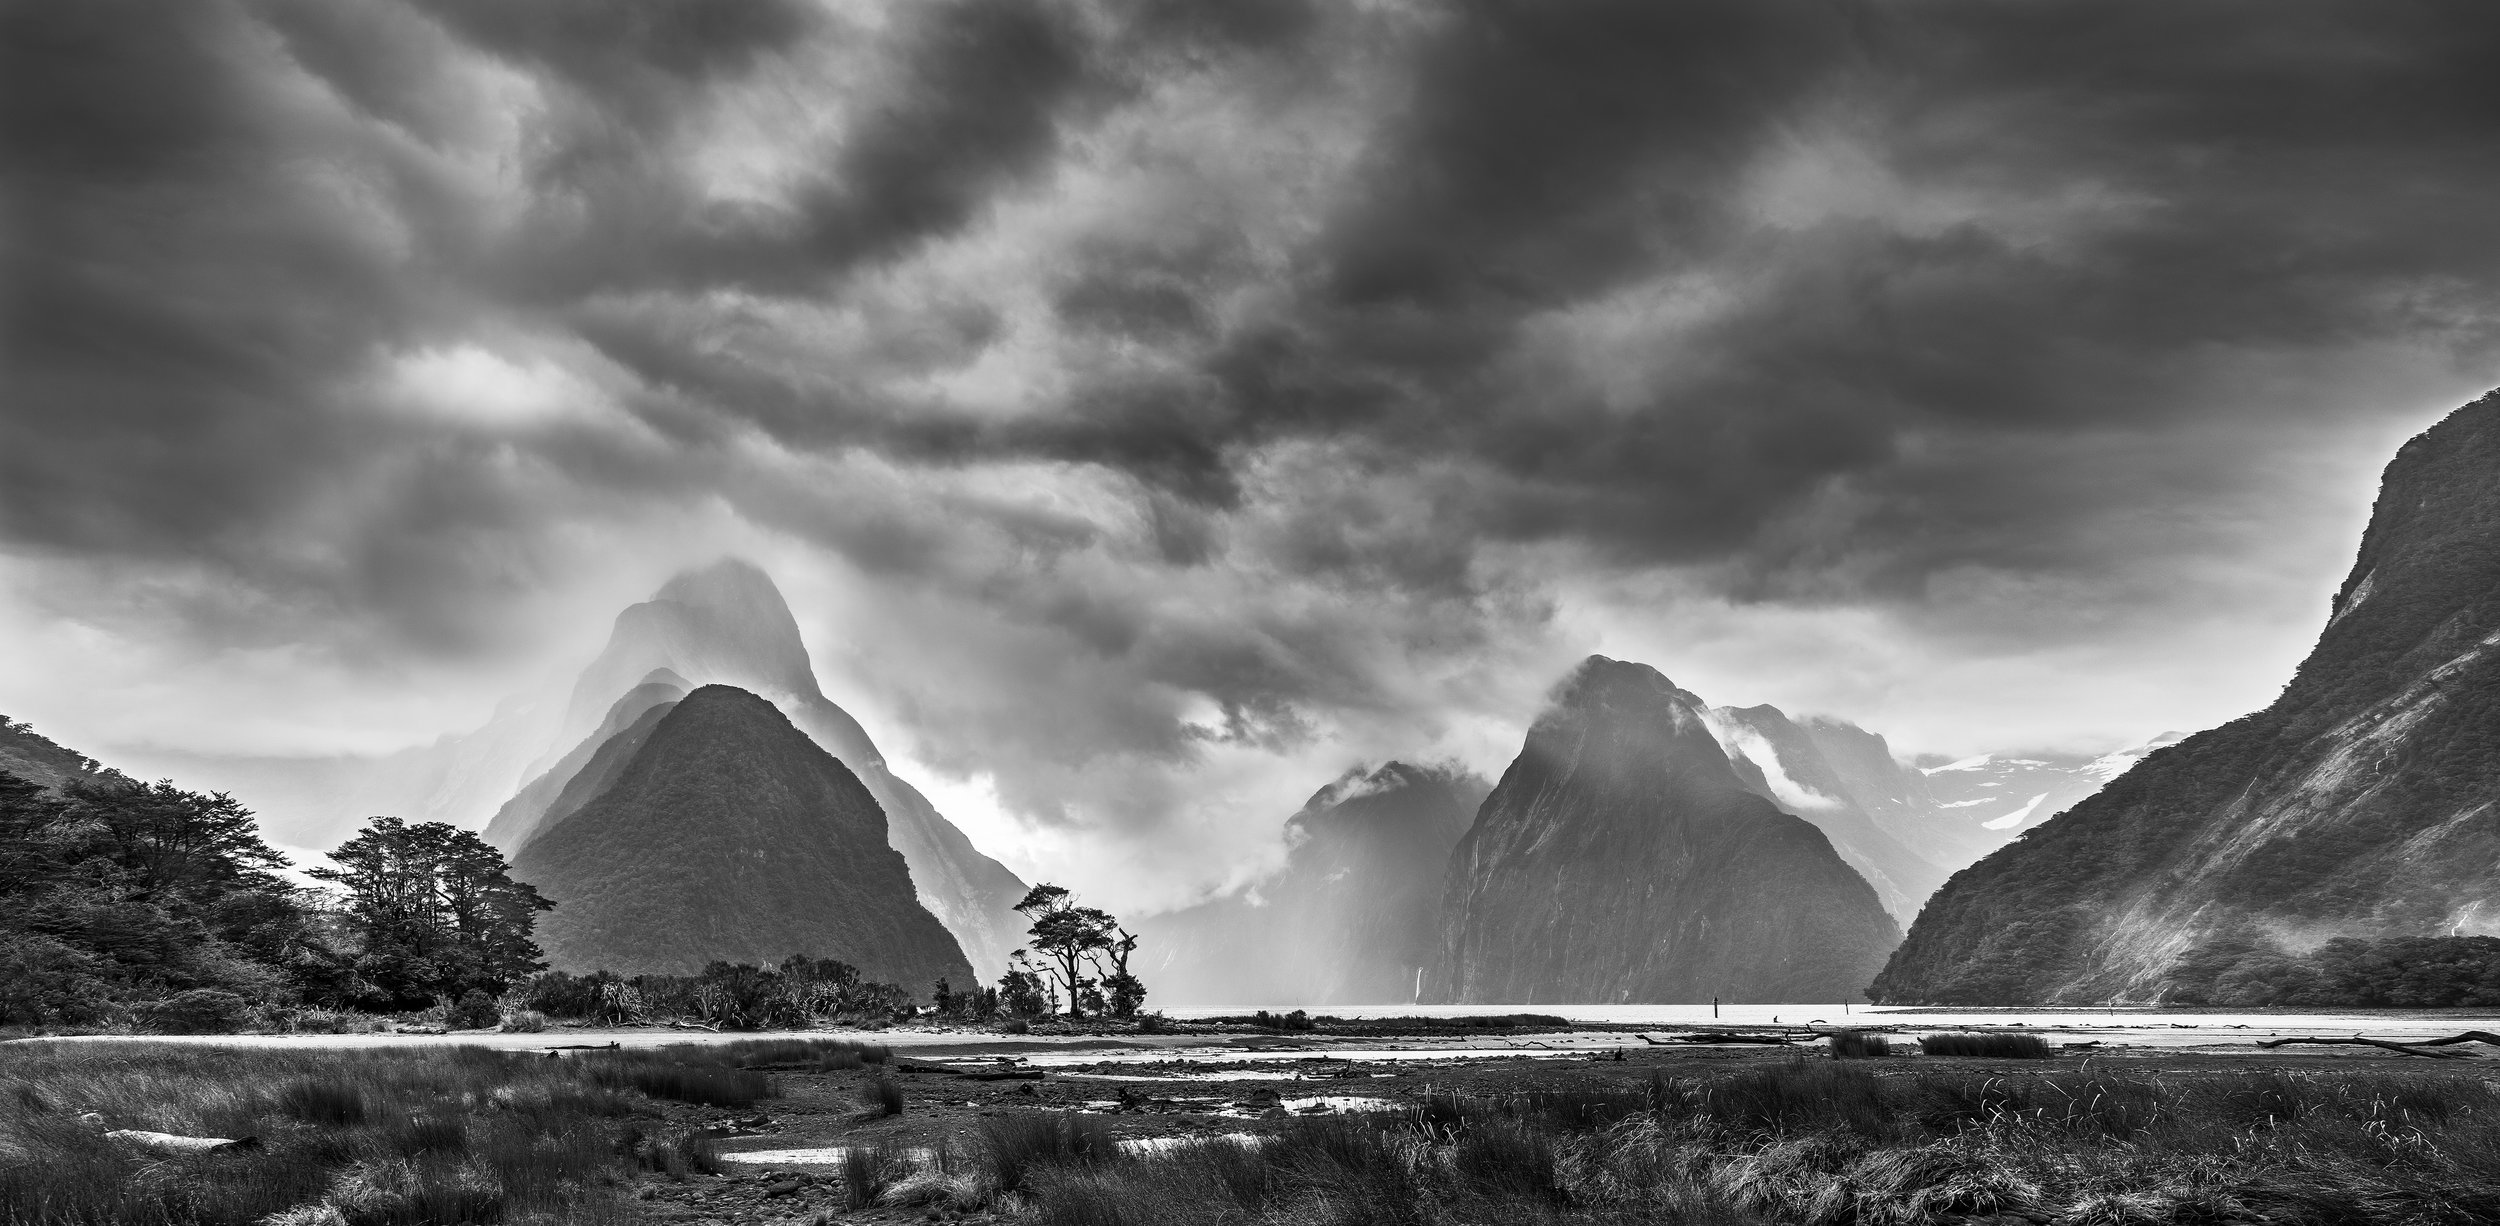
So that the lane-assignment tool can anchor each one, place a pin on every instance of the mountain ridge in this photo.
(2358, 803)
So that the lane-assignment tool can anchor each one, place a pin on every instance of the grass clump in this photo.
(883, 1095)
(1995, 1046)
(870, 1172)
(1859, 1045)
(1012, 1145)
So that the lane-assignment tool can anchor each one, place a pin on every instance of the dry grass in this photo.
(1819, 1143)
(438, 1135)
(1990, 1046)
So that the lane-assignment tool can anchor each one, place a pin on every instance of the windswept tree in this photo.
(1073, 938)
(435, 910)
(1122, 992)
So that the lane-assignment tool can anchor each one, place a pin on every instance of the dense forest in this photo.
(151, 907)
(2399, 973)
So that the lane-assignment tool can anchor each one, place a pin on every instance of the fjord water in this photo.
(2132, 1025)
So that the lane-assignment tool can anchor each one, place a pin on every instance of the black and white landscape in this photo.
(1779, 591)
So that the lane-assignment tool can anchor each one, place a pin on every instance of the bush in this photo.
(474, 1011)
(525, 1021)
(1997, 1046)
(198, 1011)
(1859, 1045)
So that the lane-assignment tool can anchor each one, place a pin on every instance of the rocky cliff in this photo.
(2364, 802)
(1354, 916)
(1622, 859)
(729, 834)
(1787, 763)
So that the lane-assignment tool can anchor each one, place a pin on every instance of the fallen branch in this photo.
(2408, 1049)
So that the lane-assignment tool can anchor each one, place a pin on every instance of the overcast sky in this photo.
(1153, 406)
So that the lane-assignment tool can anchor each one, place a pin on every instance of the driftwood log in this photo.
(1719, 1036)
(177, 1143)
(2418, 1047)
(969, 1074)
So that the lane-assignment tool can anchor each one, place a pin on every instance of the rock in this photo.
(1622, 858)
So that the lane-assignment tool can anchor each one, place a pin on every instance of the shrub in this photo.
(1859, 1045)
(198, 1011)
(885, 1094)
(1018, 1026)
(474, 1011)
(1996, 1046)
(525, 1021)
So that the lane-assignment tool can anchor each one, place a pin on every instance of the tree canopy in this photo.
(434, 910)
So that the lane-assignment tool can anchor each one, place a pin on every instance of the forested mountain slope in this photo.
(2364, 802)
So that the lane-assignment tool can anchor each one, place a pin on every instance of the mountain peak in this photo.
(730, 833)
(731, 581)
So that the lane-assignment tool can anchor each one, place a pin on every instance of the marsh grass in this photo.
(1013, 1144)
(870, 1172)
(1859, 1045)
(1993, 1046)
(883, 1095)
(379, 1137)
(725, 1074)
(1819, 1141)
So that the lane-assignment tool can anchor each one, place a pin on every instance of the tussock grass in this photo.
(870, 1172)
(1013, 1144)
(359, 1138)
(1859, 1045)
(1996, 1046)
(884, 1095)
(1825, 1142)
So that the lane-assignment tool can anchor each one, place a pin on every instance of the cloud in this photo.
(1184, 401)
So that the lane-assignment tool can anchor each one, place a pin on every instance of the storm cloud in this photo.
(1157, 405)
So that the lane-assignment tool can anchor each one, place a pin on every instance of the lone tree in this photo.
(1122, 992)
(435, 909)
(1070, 938)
